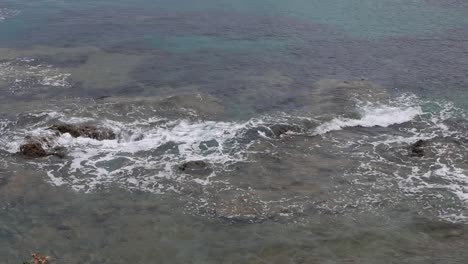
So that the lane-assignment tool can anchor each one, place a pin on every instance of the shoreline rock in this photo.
(87, 131)
(33, 150)
(42, 146)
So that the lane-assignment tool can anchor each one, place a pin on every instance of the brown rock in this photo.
(87, 131)
(33, 150)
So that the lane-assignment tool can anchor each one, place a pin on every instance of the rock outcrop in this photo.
(33, 149)
(42, 146)
(37, 147)
(87, 131)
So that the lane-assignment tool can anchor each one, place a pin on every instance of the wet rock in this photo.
(280, 129)
(417, 148)
(36, 147)
(33, 149)
(197, 168)
(87, 131)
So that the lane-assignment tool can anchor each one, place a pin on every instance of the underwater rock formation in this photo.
(197, 168)
(417, 148)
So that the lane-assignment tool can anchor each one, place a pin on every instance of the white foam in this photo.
(442, 170)
(371, 116)
(448, 177)
(148, 150)
(4, 124)
(87, 156)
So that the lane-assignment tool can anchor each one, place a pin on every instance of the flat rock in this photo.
(87, 131)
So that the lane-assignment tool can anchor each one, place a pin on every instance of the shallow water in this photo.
(304, 112)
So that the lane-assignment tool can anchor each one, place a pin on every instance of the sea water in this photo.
(306, 114)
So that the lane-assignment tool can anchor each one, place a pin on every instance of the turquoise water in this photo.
(359, 19)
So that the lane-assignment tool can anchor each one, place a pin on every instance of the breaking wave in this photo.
(438, 179)
(148, 151)
(374, 115)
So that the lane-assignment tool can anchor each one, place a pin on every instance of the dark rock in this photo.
(33, 149)
(102, 97)
(197, 167)
(281, 129)
(87, 131)
(417, 149)
(41, 146)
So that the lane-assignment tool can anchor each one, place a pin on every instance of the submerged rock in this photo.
(87, 131)
(198, 167)
(417, 148)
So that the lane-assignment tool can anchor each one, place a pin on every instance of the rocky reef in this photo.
(42, 146)
(87, 131)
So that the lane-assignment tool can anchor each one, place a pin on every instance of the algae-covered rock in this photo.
(87, 131)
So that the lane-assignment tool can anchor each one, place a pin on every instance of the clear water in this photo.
(305, 112)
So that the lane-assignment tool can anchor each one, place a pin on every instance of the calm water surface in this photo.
(303, 111)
